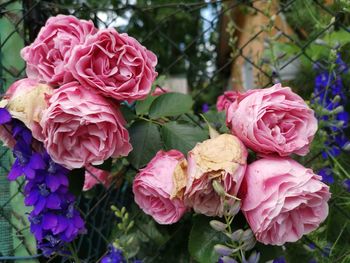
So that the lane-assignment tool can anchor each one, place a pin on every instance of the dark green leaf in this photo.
(182, 137)
(76, 179)
(170, 104)
(106, 166)
(145, 140)
(128, 114)
(142, 106)
(203, 239)
(268, 252)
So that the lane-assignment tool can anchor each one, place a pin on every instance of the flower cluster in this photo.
(77, 77)
(66, 115)
(54, 221)
(330, 95)
(280, 199)
(207, 181)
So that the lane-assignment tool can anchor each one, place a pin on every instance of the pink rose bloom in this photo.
(282, 200)
(47, 56)
(226, 99)
(82, 127)
(115, 64)
(222, 159)
(159, 91)
(154, 188)
(273, 120)
(94, 176)
(26, 100)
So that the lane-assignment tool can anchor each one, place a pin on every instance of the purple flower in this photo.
(114, 255)
(205, 108)
(5, 116)
(54, 221)
(279, 260)
(327, 175)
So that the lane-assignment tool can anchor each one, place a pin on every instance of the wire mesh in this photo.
(191, 41)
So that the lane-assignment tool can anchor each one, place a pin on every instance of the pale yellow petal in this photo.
(179, 179)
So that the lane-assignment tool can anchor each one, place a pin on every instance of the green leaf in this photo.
(106, 166)
(145, 140)
(182, 137)
(142, 106)
(203, 239)
(76, 179)
(128, 114)
(170, 104)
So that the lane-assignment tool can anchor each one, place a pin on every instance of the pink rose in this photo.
(82, 127)
(154, 188)
(273, 120)
(115, 64)
(47, 56)
(225, 100)
(26, 101)
(222, 159)
(94, 176)
(282, 200)
(159, 91)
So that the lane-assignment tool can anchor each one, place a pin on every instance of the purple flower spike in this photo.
(54, 220)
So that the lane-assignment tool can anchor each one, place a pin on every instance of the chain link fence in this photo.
(203, 47)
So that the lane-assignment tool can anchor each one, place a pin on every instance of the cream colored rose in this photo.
(25, 100)
(220, 161)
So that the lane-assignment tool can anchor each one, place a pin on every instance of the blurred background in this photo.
(204, 48)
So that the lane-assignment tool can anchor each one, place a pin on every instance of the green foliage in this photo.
(142, 106)
(182, 137)
(145, 140)
(106, 166)
(128, 114)
(203, 239)
(170, 104)
(124, 240)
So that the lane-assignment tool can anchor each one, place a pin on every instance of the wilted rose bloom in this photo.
(26, 101)
(226, 99)
(48, 55)
(222, 159)
(155, 188)
(115, 64)
(273, 120)
(282, 200)
(94, 176)
(82, 127)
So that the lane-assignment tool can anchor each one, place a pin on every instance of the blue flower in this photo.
(114, 255)
(326, 250)
(279, 260)
(329, 92)
(205, 108)
(327, 175)
(346, 184)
